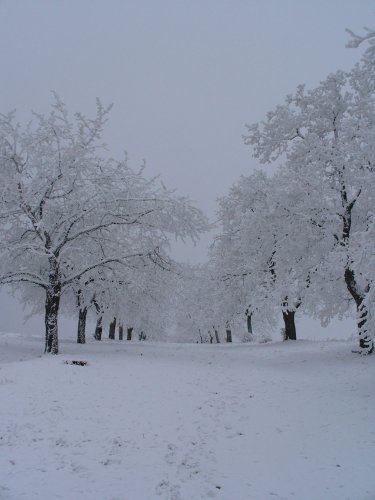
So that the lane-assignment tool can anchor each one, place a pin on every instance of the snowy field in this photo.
(183, 422)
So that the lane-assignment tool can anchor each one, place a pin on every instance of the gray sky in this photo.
(184, 75)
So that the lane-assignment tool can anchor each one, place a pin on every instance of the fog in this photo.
(184, 77)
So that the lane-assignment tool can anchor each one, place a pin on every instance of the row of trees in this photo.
(78, 224)
(303, 238)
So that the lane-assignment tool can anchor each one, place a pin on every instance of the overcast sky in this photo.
(185, 76)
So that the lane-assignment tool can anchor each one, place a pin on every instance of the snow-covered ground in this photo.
(183, 422)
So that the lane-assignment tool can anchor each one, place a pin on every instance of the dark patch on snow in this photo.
(75, 362)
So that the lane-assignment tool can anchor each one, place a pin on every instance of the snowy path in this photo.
(186, 422)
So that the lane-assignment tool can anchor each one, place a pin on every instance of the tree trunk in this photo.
(129, 333)
(290, 326)
(211, 337)
(99, 321)
(249, 325)
(217, 336)
(52, 305)
(50, 319)
(98, 328)
(366, 344)
(229, 334)
(112, 330)
(120, 332)
(81, 332)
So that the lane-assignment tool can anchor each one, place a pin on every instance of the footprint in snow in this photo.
(168, 491)
(111, 461)
(170, 455)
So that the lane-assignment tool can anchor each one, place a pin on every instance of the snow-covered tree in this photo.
(193, 303)
(67, 210)
(356, 40)
(200, 313)
(140, 300)
(325, 137)
(247, 257)
(131, 293)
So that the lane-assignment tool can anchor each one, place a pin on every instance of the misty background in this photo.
(185, 76)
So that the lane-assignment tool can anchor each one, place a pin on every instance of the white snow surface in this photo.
(144, 421)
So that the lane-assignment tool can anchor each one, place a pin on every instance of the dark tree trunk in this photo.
(81, 331)
(229, 334)
(99, 321)
(112, 330)
(129, 334)
(211, 337)
(142, 336)
(52, 305)
(248, 321)
(366, 344)
(50, 320)
(217, 336)
(120, 332)
(98, 328)
(289, 325)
